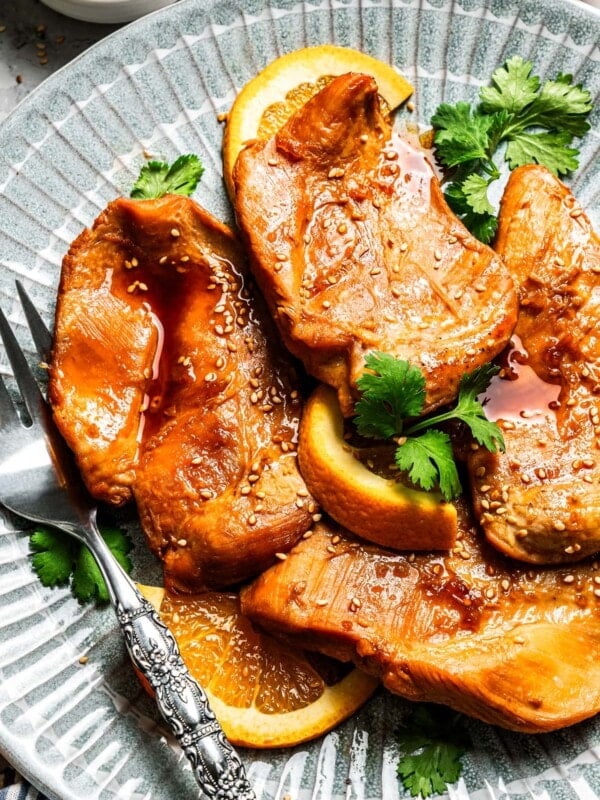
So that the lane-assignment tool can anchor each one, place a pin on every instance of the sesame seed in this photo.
(281, 556)
(569, 579)
(336, 172)
(175, 233)
(251, 519)
(182, 542)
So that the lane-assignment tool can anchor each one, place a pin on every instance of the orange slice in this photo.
(377, 508)
(281, 88)
(264, 694)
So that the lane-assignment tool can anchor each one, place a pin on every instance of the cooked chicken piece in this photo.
(356, 250)
(540, 500)
(513, 646)
(168, 382)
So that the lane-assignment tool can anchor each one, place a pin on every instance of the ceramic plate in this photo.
(87, 730)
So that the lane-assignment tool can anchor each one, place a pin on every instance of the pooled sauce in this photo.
(517, 394)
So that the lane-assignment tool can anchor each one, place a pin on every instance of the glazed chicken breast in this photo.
(355, 249)
(515, 646)
(168, 382)
(540, 500)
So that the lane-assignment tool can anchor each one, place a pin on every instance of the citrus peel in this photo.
(263, 693)
(376, 508)
(283, 86)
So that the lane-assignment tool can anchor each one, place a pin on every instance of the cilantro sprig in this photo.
(60, 560)
(157, 178)
(536, 122)
(393, 394)
(433, 739)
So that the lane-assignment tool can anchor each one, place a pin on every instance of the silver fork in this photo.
(40, 482)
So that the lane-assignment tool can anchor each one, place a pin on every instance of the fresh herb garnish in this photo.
(59, 560)
(433, 739)
(157, 178)
(536, 122)
(393, 394)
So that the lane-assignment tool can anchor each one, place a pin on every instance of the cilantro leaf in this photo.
(87, 582)
(52, 557)
(469, 410)
(434, 740)
(513, 87)
(548, 148)
(461, 135)
(59, 559)
(475, 189)
(536, 121)
(157, 178)
(391, 392)
(428, 460)
(483, 226)
(561, 105)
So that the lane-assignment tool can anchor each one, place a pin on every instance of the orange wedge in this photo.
(264, 694)
(281, 88)
(377, 508)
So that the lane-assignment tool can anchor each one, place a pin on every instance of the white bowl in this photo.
(107, 11)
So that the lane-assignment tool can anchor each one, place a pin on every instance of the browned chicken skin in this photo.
(168, 383)
(540, 500)
(356, 250)
(515, 647)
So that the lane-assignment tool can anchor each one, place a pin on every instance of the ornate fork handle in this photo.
(181, 701)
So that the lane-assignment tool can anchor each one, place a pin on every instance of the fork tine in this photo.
(8, 413)
(30, 391)
(39, 332)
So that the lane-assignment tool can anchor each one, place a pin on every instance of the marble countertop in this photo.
(36, 41)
